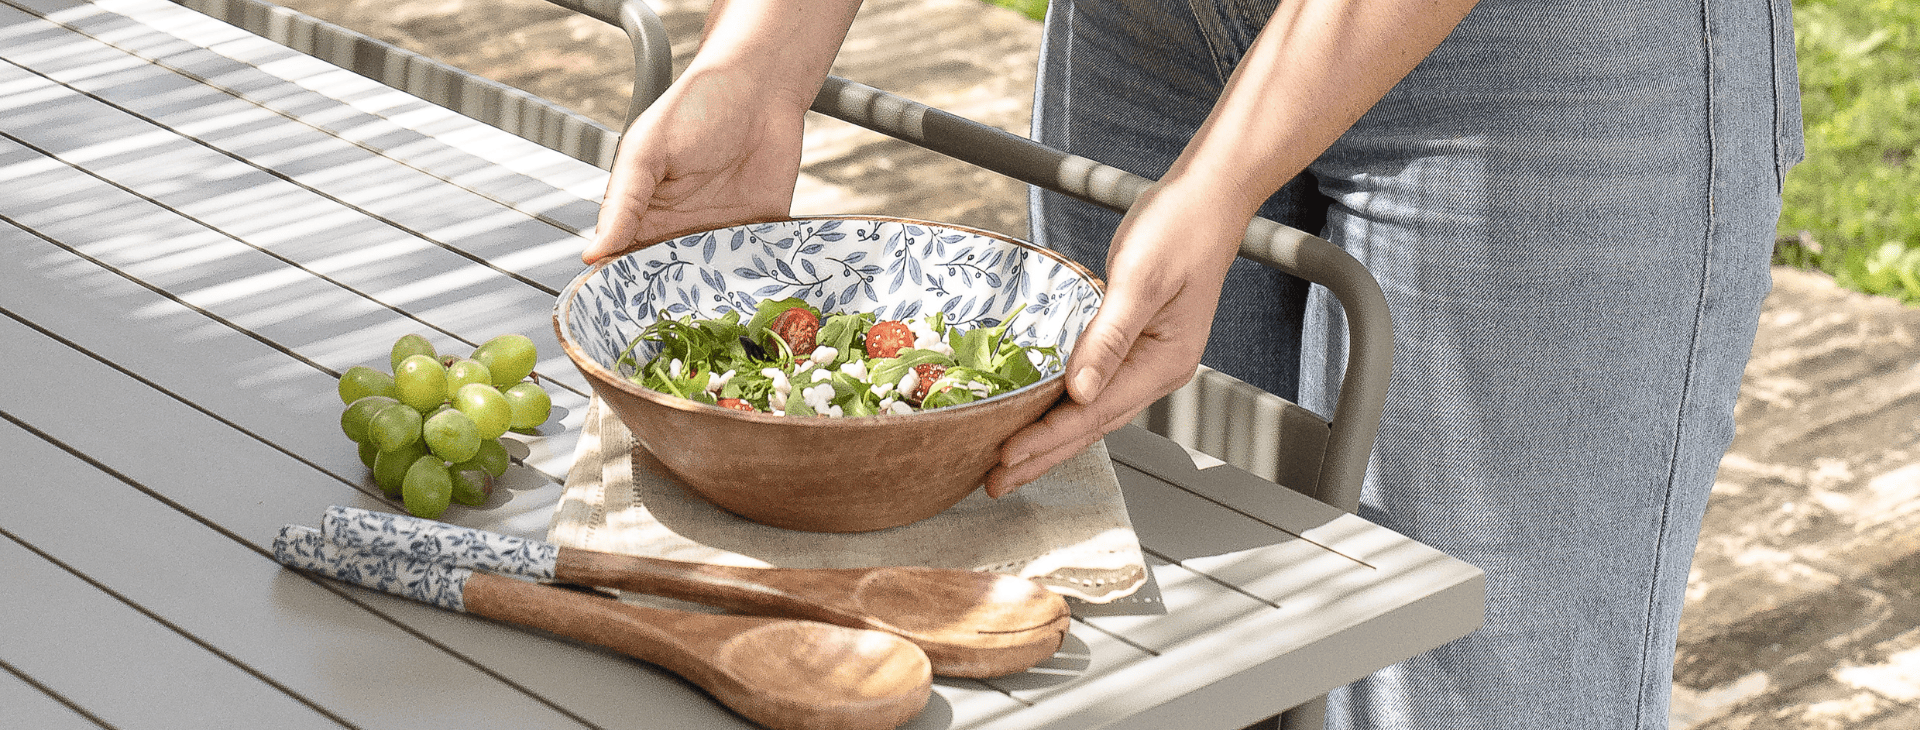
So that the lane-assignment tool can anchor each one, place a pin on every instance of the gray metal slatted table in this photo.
(201, 228)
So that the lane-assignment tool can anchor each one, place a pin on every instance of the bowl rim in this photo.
(563, 304)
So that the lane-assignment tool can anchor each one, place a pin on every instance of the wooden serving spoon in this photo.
(784, 674)
(969, 624)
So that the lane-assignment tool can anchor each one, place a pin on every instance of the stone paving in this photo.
(1805, 593)
(1804, 602)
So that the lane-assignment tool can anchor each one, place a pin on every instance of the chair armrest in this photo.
(652, 49)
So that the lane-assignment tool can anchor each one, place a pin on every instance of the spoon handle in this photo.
(819, 595)
(435, 541)
(812, 594)
(651, 634)
(424, 581)
(689, 644)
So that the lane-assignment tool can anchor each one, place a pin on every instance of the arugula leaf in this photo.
(840, 330)
(949, 397)
(851, 394)
(659, 379)
(970, 348)
(1000, 332)
(797, 406)
(857, 406)
(891, 369)
(1014, 365)
(771, 309)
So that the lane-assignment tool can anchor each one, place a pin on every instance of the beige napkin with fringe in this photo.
(1068, 530)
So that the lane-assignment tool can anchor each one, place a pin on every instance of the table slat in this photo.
(405, 128)
(343, 173)
(388, 266)
(122, 666)
(235, 599)
(1215, 480)
(1086, 652)
(1194, 602)
(1181, 525)
(250, 384)
(1324, 532)
(36, 709)
(290, 307)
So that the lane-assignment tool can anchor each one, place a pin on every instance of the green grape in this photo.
(451, 435)
(470, 487)
(487, 407)
(394, 426)
(360, 381)
(427, 487)
(509, 357)
(462, 372)
(530, 403)
(491, 459)
(390, 467)
(367, 453)
(408, 346)
(420, 382)
(354, 420)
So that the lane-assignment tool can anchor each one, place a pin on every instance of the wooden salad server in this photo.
(970, 624)
(783, 674)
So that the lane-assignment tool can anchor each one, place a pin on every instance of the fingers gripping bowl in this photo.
(819, 473)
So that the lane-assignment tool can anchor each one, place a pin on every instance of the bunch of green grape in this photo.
(430, 430)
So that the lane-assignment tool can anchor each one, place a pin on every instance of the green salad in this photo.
(791, 359)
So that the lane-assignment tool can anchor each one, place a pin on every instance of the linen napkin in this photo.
(1068, 530)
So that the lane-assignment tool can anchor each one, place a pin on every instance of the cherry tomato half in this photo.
(799, 327)
(925, 374)
(888, 338)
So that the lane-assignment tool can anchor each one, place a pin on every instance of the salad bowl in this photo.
(820, 473)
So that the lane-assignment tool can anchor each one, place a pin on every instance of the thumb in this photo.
(628, 192)
(1104, 344)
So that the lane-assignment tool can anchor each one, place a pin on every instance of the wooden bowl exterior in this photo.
(825, 474)
(815, 473)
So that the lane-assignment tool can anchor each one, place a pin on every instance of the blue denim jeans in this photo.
(1571, 208)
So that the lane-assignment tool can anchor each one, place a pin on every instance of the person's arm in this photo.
(1316, 67)
(722, 145)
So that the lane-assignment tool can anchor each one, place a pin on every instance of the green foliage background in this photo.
(1852, 208)
(1035, 9)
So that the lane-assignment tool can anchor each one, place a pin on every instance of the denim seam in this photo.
(1065, 96)
(1044, 128)
(1665, 522)
(1773, 60)
(1213, 36)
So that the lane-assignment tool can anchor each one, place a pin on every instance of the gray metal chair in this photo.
(1214, 414)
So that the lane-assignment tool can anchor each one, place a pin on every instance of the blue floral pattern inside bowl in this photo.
(892, 267)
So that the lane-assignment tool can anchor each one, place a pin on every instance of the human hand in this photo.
(710, 152)
(1165, 268)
